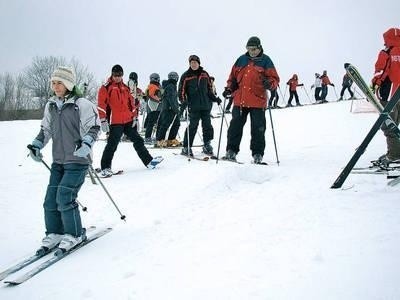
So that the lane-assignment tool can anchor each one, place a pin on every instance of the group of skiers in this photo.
(320, 87)
(73, 122)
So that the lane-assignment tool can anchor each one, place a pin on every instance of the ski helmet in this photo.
(173, 76)
(154, 77)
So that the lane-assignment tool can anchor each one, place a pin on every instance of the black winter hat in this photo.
(117, 69)
(195, 58)
(253, 42)
(346, 65)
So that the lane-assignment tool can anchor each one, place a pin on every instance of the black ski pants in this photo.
(317, 93)
(295, 95)
(151, 120)
(324, 92)
(116, 131)
(194, 118)
(344, 87)
(166, 118)
(257, 124)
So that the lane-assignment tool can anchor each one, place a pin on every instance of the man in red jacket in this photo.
(116, 96)
(385, 82)
(252, 75)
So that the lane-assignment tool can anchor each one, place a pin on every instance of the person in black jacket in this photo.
(346, 84)
(195, 89)
(169, 113)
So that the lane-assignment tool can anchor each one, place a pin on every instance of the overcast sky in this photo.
(301, 37)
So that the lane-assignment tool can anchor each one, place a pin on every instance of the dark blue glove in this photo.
(34, 149)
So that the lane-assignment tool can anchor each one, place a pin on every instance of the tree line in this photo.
(24, 95)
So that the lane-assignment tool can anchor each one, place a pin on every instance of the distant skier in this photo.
(346, 84)
(72, 123)
(318, 86)
(293, 84)
(325, 81)
(273, 99)
(169, 115)
(216, 98)
(153, 93)
(385, 82)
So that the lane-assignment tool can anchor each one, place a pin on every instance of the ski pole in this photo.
(273, 135)
(359, 94)
(220, 130)
(309, 99)
(169, 128)
(334, 88)
(221, 111)
(200, 137)
(84, 208)
(144, 114)
(123, 217)
(92, 177)
(283, 97)
(187, 131)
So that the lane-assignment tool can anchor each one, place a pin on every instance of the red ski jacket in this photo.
(388, 62)
(246, 80)
(118, 98)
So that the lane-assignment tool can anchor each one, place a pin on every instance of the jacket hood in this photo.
(392, 37)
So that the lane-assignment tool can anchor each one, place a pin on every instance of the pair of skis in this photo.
(383, 117)
(213, 157)
(201, 157)
(50, 261)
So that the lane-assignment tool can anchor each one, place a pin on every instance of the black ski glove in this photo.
(227, 93)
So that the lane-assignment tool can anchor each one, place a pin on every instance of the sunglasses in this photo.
(117, 74)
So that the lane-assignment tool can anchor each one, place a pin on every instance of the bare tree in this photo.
(37, 76)
(84, 79)
(22, 97)
(7, 91)
(2, 100)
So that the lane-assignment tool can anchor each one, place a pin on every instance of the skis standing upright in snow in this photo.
(360, 82)
(383, 116)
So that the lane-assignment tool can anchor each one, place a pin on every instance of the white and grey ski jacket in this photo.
(66, 125)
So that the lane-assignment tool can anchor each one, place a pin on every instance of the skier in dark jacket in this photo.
(195, 89)
(169, 113)
(346, 84)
